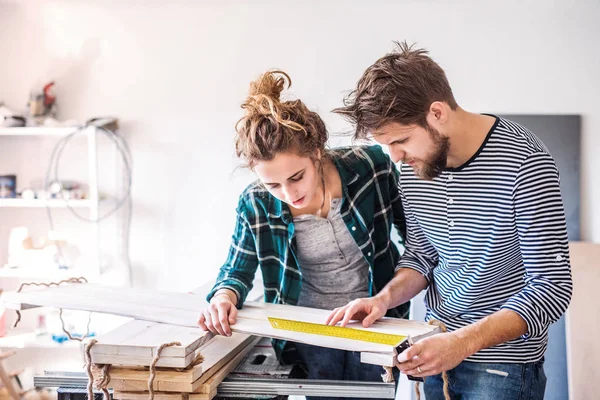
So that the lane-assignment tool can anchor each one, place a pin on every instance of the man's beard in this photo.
(436, 161)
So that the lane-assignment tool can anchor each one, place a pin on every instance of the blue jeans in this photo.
(485, 381)
(332, 364)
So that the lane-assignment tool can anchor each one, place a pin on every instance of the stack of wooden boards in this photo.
(132, 348)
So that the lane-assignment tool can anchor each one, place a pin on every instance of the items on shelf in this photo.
(109, 123)
(42, 103)
(50, 252)
(40, 111)
(41, 326)
(57, 189)
(10, 119)
(65, 189)
(8, 186)
(61, 337)
(28, 194)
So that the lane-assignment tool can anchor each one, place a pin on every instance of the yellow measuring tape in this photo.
(336, 331)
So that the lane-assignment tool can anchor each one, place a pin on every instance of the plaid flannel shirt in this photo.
(264, 232)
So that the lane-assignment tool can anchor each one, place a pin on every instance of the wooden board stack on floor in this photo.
(131, 349)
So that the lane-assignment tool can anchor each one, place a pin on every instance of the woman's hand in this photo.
(220, 314)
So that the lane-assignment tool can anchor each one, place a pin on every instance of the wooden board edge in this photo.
(222, 373)
(382, 359)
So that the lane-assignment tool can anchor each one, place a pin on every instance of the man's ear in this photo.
(438, 114)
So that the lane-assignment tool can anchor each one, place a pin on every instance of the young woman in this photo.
(317, 222)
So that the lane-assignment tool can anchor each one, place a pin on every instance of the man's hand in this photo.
(433, 355)
(405, 285)
(219, 315)
(368, 310)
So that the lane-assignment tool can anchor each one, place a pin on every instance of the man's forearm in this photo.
(405, 285)
(497, 328)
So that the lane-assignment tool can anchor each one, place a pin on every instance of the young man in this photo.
(486, 232)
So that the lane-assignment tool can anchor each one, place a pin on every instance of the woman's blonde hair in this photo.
(271, 126)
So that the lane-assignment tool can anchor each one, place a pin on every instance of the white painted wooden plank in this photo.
(383, 359)
(184, 308)
(218, 351)
(253, 319)
(142, 338)
(260, 311)
(169, 308)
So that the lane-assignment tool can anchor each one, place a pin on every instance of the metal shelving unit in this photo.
(92, 203)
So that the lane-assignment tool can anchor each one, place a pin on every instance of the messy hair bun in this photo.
(271, 126)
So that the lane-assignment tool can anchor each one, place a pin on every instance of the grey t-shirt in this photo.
(334, 270)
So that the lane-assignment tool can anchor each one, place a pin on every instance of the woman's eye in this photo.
(296, 179)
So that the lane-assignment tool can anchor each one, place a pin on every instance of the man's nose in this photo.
(397, 155)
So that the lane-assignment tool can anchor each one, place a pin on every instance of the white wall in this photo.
(176, 72)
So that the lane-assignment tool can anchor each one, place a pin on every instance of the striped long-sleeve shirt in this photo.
(492, 235)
